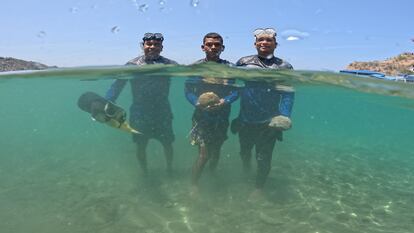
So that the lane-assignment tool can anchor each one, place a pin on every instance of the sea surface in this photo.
(347, 164)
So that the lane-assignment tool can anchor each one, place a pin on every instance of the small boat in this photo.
(364, 73)
(374, 74)
(409, 78)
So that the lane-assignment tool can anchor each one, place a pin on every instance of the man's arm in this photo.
(287, 94)
(189, 90)
(282, 121)
(233, 92)
(115, 89)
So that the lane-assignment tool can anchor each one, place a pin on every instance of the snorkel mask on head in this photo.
(152, 36)
(264, 31)
(264, 34)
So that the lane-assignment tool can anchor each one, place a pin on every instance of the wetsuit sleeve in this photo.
(189, 90)
(234, 93)
(286, 101)
(115, 89)
(240, 63)
(287, 97)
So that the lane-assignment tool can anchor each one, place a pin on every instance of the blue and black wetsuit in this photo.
(150, 111)
(211, 126)
(260, 101)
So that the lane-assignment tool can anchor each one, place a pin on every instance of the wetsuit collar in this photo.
(152, 59)
(269, 57)
(218, 61)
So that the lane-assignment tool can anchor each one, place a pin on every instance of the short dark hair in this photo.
(213, 35)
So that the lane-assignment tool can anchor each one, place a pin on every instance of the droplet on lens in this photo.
(73, 10)
(41, 34)
(115, 29)
(195, 3)
(143, 7)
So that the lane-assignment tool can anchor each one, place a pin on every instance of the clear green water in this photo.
(347, 165)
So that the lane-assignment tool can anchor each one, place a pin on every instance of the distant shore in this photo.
(401, 64)
(13, 64)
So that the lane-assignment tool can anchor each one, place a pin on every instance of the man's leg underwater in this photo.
(165, 135)
(214, 150)
(264, 150)
(142, 154)
(199, 164)
(168, 152)
(246, 140)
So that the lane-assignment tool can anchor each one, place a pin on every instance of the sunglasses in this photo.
(153, 36)
(264, 31)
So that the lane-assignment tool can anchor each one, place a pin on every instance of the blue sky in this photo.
(330, 34)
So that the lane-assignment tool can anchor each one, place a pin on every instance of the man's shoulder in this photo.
(283, 64)
(199, 61)
(221, 61)
(246, 60)
(167, 61)
(136, 61)
(141, 61)
(225, 62)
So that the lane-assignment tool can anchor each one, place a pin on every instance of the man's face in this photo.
(152, 48)
(265, 45)
(212, 47)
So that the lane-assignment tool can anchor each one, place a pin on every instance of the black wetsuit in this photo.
(211, 126)
(259, 102)
(150, 111)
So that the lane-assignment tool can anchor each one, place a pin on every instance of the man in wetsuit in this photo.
(150, 111)
(210, 120)
(265, 108)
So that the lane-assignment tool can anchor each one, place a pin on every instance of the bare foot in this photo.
(144, 173)
(247, 168)
(256, 195)
(195, 192)
(170, 172)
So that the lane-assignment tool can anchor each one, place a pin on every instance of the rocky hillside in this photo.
(13, 64)
(401, 64)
